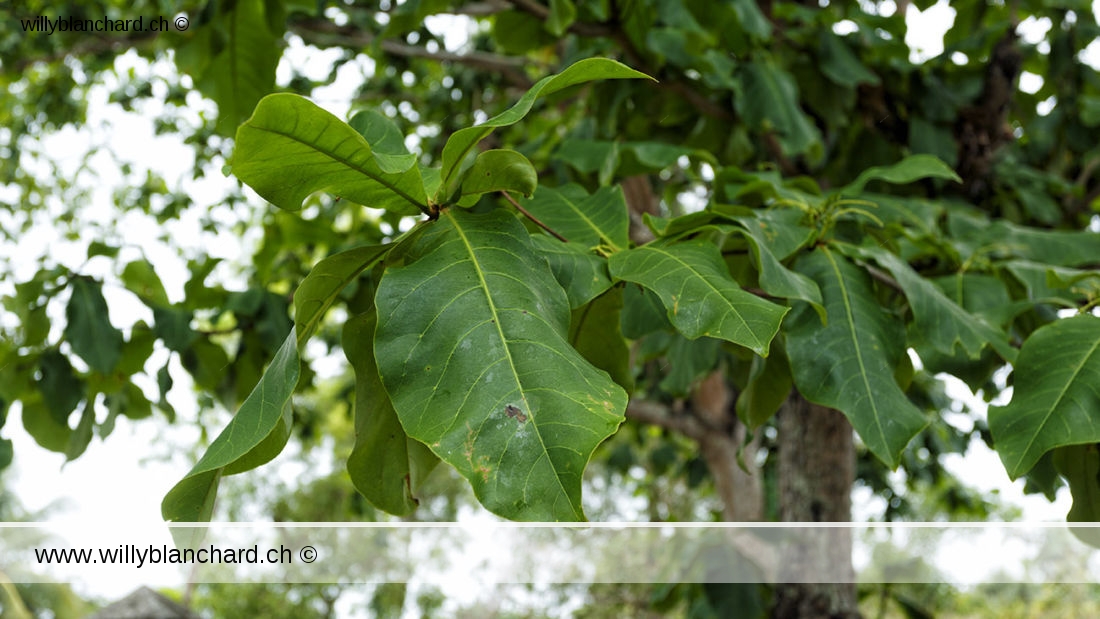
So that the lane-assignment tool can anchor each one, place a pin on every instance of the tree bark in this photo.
(816, 471)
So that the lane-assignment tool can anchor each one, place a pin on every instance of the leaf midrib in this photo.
(855, 344)
(507, 351)
(588, 221)
(392, 187)
(733, 310)
(1057, 402)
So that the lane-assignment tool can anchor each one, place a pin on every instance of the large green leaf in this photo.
(89, 330)
(942, 322)
(255, 435)
(328, 277)
(912, 168)
(849, 363)
(585, 219)
(461, 142)
(700, 296)
(385, 465)
(290, 148)
(471, 346)
(1056, 394)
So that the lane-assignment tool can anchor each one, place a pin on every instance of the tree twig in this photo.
(528, 215)
(884, 278)
(542, 11)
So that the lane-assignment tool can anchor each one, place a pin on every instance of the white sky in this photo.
(127, 476)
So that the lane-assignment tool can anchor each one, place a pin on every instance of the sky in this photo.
(126, 476)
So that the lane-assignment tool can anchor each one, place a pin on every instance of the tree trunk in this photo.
(816, 472)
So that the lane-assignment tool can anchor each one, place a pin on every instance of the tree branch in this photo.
(661, 416)
(481, 9)
(92, 46)
(324, 32)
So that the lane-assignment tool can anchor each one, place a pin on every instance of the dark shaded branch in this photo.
(324, 32)
(481, 9)
(662, 416)
(91, 46)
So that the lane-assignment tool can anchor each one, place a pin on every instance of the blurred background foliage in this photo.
(801, 90)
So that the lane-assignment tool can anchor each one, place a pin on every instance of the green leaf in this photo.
(1080, 465)
(61, 389)
(291, 148)
(941, 321)
(768, 387)
(595, 332)
(471, 346)
(385, 465)
(689, 361)
(1052, 247)
(912, 168)
(642, 313)
(82, 435)
(518, 32)
(89, 330)
(255, 435)
(140, 278)
(580, 272)
(751, 19)
(776, 279)
(498, 170)
(233, 59)
(849, 363)
(562, 14)
(590, 156)
(319, 289)
(767, 98)
(589, 220)
(461, 142)
(700, 296)
(6, 453)
(173, 326)
(840, 64)
(43, 428)
(385, 139)
(1055, 396)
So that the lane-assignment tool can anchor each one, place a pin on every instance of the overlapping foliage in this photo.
(808, 205)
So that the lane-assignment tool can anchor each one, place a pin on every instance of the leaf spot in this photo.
(515, 413)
